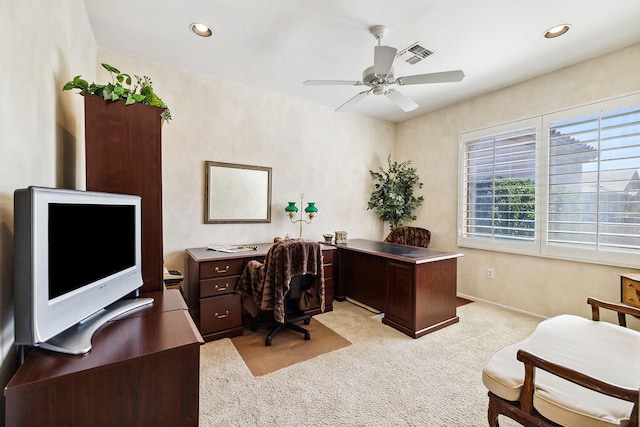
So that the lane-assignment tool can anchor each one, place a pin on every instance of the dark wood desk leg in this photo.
(339, 293)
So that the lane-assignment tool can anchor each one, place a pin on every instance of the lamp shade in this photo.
(311, 208)
(291, 208)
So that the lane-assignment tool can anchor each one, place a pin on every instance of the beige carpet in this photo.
(384, 378)
(288, 347)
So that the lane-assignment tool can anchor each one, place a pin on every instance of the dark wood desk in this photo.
(209, 288)
(414, 287)
(143, 370)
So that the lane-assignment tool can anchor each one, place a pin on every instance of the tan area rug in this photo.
(287, 348)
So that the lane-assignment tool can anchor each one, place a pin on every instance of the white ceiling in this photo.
(278, 44)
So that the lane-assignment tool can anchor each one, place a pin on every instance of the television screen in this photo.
(88, 243)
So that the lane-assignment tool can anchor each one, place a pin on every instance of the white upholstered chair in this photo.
(570, 371)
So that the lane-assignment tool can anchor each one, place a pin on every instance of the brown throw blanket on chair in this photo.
(265, 285)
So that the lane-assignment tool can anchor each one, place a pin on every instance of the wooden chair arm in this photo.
(532, 361)
(620, 308)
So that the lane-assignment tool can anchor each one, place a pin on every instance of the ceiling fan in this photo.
(380, 76)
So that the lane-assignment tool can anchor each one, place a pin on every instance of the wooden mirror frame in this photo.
(242, 194)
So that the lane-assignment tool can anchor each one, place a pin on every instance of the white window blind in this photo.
(563, 185)
(498, 200)
(594, 187)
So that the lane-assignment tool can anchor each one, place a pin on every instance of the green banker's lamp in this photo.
(292, 210)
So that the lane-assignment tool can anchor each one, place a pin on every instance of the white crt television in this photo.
(77, 256)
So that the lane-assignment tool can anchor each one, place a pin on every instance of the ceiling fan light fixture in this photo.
(556, 31)
(381, 75)
(378, 89)
(201, 29)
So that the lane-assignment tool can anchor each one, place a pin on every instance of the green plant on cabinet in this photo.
(120, 88)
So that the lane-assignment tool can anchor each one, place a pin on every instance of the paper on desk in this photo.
(232, 248)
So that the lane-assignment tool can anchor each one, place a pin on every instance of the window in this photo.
(564, 185)
(499, 185)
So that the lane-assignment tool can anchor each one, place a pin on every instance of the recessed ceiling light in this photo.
(200, 29)
(557, 31)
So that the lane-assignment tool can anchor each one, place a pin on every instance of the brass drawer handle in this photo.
(222, 271)
(222, 316)
(218, 288)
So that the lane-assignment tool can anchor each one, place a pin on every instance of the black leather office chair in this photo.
(293, 314)
(411, 236)
(290, 278)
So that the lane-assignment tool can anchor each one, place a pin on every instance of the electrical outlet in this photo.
(489, 273)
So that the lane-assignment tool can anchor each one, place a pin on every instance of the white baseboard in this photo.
(366, 307)
(506, 307)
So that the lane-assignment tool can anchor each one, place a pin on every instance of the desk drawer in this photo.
(215, 287)
(327, 256)
(230, 267)
(631, 292)
(220, 313)
(328, 271)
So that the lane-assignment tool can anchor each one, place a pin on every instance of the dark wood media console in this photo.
(143, 370)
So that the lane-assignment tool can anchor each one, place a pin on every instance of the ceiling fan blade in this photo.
(383, 57)
(442, 77)
(354, 100)
(331, 82)
(401, 100)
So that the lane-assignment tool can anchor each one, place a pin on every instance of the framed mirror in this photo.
(237, 193)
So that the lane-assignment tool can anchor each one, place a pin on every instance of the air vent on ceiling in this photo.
(414, 53)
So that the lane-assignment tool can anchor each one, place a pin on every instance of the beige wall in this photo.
(38, 123)
(310, 148)
(537, 285)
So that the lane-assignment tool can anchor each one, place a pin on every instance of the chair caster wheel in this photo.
(307, 336)
(267, 341)
(307, 321)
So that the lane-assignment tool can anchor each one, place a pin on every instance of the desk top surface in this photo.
(261, 249)
(411, 254)
(631, 276)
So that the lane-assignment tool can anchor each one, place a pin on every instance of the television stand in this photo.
(143, 370)
(77, 339)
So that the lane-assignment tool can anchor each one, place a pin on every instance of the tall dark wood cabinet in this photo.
(124, 155)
